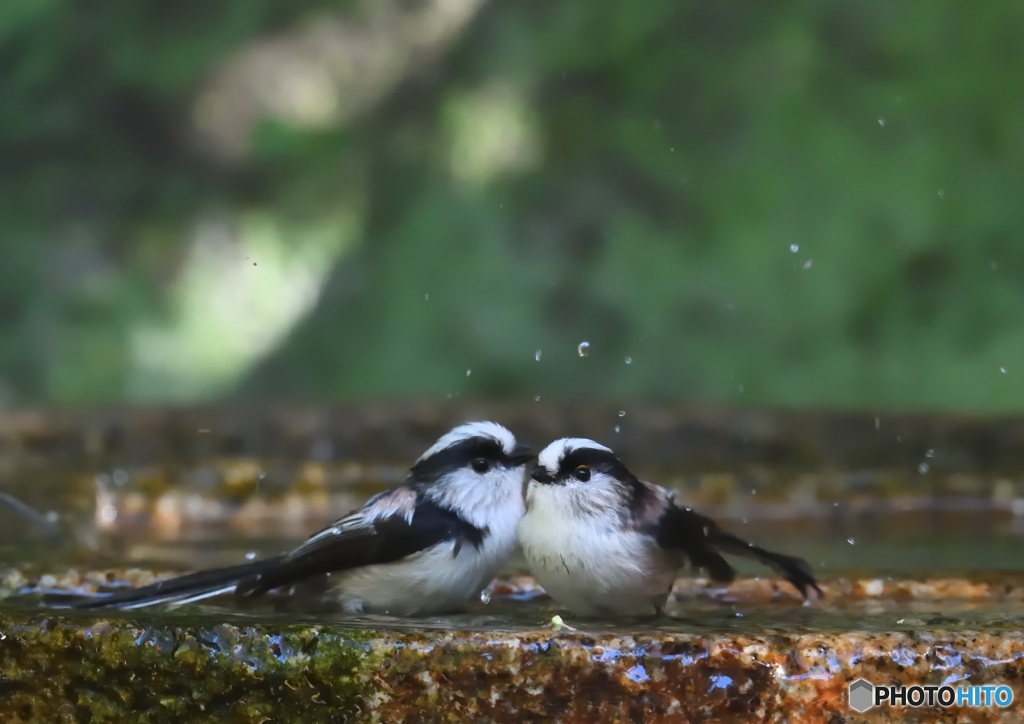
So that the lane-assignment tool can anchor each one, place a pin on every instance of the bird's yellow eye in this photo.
(582, 473)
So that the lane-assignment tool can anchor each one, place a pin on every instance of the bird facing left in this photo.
(426, 547)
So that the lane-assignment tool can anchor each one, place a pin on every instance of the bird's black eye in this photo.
(582, 473)
(481, 465)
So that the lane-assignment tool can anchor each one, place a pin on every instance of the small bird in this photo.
(602, 542)
(426, 547)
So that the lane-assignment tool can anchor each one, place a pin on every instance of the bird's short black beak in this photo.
(541, 475)
(521, 455)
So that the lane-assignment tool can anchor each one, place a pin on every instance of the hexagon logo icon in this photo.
(862, 695)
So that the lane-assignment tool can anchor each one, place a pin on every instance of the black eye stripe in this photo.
(460, 455)
(597, 460)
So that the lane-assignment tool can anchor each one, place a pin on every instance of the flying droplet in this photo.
(250, 556)
(485, 596)
(469, 372)
(629, 360)
(794, 248)
(618, 428)
(537, 398)
(426, 297)
(922, 468)
(851, 541)
(929, 453)
(622, 413)
(807, 264)
(1003, 370)
(536, 355)
(583, 349)
(942, 193)
(881, 122)
(878, 423)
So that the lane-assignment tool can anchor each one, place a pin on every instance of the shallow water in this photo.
(867, 535)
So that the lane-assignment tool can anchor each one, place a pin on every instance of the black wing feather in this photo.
(385, 540)
(361, 540)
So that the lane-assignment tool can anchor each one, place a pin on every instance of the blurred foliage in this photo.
(809, 204)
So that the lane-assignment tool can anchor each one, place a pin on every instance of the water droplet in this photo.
(741, 388)
(618, 428)
(108, 514)
(942, 193)
(1003, 370)
(250, 556)
(922, 468)
(426, 297)
(851, 541)
(753, 491)
(469, 372)
(807, 264)
(537, 398)
(536, 355)
(583, 349)
(794, 248)
(629, 360)
(622, 413)
(485, 596)
(878, 423)
(929, 453)
(881, 122)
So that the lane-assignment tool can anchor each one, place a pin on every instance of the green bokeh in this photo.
(680, 152)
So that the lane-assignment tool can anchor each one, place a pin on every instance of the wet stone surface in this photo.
(747, 652)
(914, 524)
(164, 669)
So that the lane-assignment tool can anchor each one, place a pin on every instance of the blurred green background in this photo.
(802, 204)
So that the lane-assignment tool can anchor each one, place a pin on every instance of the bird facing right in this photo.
(602, 542)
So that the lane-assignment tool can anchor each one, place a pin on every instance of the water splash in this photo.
(583, 349)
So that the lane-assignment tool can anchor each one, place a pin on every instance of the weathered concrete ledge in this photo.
(57, 668)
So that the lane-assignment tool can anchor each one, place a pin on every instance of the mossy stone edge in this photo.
(78, 669)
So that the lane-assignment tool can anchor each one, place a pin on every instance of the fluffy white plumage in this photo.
(578, 549)
(603, 542)
(428, 546)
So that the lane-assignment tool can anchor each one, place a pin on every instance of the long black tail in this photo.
(703, 542)
(795, 570)
(183, 589)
